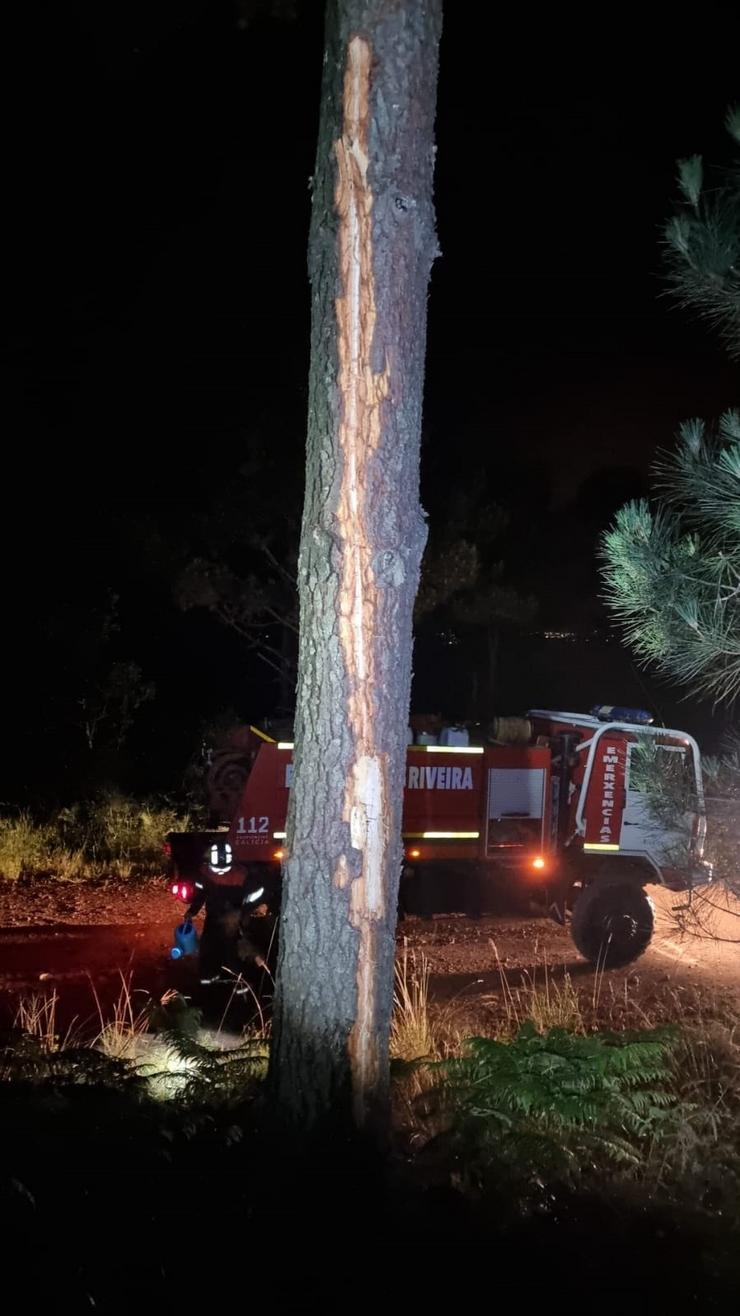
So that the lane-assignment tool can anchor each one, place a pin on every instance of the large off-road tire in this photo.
(612, 922)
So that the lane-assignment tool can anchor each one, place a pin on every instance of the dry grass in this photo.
(554, 1004)
(259, 1028)
(36, 1015)
(421, 1029)
(696, 1156)
(126, 1036)
(120, 1036)
(160, 1058)
(551, 1002)
(699, 1158)
(24, 845)
(412, 1035)
(109, 836)
(551, 998)
(548, 998)
(70, 865)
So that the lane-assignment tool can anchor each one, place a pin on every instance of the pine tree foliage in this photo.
(672, 570)
(702, 243)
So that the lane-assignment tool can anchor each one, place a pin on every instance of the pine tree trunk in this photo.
(371, 249)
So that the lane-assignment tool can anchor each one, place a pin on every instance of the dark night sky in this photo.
(156, 305)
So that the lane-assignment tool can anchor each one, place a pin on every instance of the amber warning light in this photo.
(539, 862)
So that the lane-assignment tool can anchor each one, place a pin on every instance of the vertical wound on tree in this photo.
(363, 392)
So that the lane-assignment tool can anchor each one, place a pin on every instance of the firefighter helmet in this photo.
(219, 857)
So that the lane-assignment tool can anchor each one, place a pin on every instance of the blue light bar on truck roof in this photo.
(616, 713)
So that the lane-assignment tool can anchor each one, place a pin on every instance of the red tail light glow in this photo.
(183, 891)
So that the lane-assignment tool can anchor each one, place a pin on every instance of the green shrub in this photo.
(112, 833)
(124, 830)
(699, 1158)
(25, 846)
(558, 1105)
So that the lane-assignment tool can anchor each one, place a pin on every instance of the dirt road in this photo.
(480, 965)
(100, 938)
(82, 941)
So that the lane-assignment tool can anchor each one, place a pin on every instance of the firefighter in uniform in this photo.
(220, 887)
(232, 903)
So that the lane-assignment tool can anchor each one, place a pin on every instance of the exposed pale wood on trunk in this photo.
(372, 244)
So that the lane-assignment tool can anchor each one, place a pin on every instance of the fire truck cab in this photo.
(553, 801)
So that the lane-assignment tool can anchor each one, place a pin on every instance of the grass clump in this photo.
(112, 835)
(699, 1158)
(580, 1091)
(413, 1034)
(25, 845)
(156, 1049)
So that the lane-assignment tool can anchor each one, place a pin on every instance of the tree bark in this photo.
(371, 248)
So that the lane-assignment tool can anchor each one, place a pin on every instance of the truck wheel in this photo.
(612, 922)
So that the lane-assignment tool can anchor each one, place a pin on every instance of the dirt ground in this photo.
(485, 969)
(82, 940)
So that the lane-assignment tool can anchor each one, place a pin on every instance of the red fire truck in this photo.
(553, 800)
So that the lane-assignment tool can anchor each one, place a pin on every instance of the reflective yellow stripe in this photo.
(426, 749)
(441, 836)
(450, 749)
(450, 836)
(262, 735)
(599, 845)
